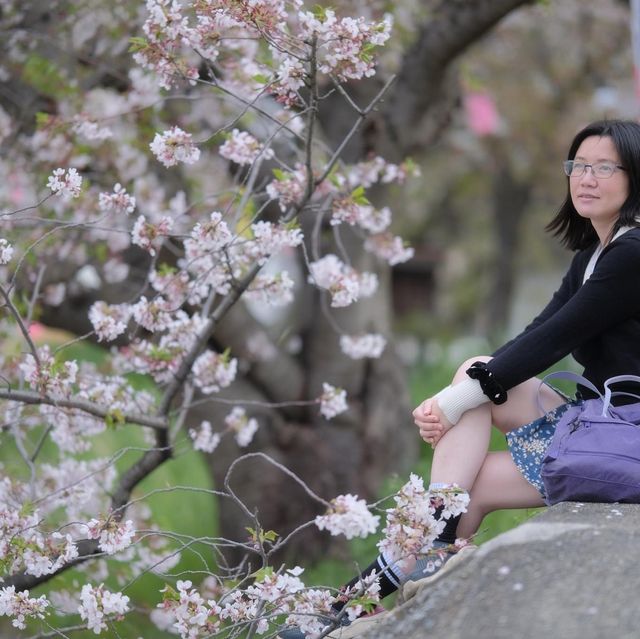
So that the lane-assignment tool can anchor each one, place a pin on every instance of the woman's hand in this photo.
(430, 421)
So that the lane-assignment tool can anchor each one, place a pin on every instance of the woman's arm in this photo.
(610, 296)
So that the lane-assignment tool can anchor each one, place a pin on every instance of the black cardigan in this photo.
(598, 322)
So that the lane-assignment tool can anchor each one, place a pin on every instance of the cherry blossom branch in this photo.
(23, 329)
(280, 467)
(363, 114)
(28, 397)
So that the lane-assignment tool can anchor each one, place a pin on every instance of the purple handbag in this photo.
(595, 452)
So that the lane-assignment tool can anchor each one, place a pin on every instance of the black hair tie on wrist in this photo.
(488, 383)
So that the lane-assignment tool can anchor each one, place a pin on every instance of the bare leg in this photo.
(499, 485)
(493, 480)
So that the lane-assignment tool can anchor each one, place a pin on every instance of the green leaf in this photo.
(320, 13)
(27, 508)
(261, 574)
(42, 74)
(137, 44)
(114, 418)
(169, 594)
(359, 197)
(42, 119)
(270, 535)
(280, 175)
(166, 269)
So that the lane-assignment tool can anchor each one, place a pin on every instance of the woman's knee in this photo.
(461, 373)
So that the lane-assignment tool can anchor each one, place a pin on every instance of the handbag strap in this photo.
(583, 381)
(572, 377)
(608, 394)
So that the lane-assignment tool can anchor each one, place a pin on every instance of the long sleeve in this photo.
(597, 312)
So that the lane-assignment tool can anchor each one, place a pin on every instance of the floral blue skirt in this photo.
(528, 444)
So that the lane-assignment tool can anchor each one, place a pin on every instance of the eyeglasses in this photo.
(600, 170)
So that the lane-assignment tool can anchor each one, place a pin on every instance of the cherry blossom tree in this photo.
(172, 201)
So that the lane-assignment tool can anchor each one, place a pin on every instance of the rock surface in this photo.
(572, 572)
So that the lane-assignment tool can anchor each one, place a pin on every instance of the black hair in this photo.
(576, 232)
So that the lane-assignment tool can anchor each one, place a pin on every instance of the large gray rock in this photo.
(572, 572)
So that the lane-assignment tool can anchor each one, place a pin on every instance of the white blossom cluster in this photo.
(343, 282)
(24, 547)
(365, 591)
(6, 251)
(118, 202)
(91, 130)
(360, 346)
(243, 427)
(389, 247)
(213, 371)
(288, 187)
(190, 615)
(333, 401)
(204, 438)
(215, 257)
(377, 169)
(98, 603)
(348, 516)
(112, 535)
(242, 148)
(173, 146)
(21, 607)
(148, 235)
(273, 290)
(411, 526)
(48, 376)
(363, 215)
(344, 40)
(162, 358)
(237, 423)
(109, 321)
(153, 315)
(65, 183)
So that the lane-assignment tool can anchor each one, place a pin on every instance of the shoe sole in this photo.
(411, 588)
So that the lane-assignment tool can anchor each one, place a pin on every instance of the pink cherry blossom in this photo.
(482, 115)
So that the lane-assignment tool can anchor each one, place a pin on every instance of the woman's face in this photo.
(599, 199)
